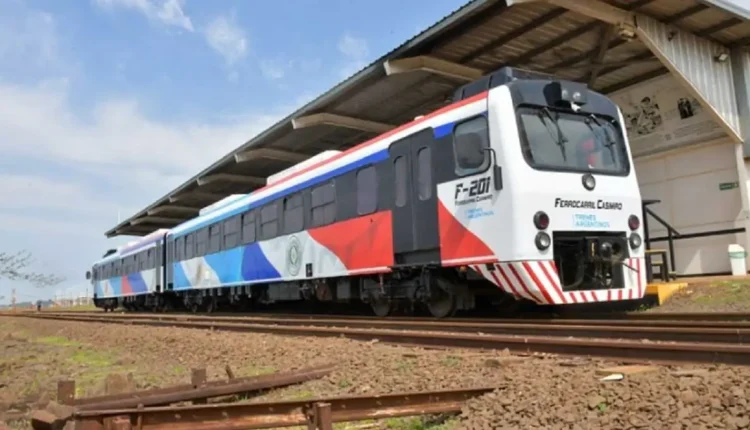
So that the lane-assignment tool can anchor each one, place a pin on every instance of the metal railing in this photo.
(670, 238)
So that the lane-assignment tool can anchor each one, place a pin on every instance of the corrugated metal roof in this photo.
(484, 34)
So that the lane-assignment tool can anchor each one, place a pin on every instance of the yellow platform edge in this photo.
(664, 290)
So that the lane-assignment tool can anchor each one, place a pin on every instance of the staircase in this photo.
(659, 261)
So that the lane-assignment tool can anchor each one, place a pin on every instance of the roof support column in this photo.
(741, 70)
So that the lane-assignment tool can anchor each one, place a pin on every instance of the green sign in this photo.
(728, 185)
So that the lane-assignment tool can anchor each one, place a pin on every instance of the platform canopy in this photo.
(610, 45)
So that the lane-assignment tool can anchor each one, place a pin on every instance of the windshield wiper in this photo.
(610, 142)
(561, 139)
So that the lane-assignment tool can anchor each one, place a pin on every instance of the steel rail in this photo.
(237, 416)
(583, 315)
(624, 350)
(738, 334)
(683, 321)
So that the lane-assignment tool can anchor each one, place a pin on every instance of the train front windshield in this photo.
(572, 142)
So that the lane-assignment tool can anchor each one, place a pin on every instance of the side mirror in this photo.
(497, 176)
(497, 171)
(88, 275)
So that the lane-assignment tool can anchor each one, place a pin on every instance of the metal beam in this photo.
(230, 177)
(598, 10)
(604, 68)
(614, 44)
(605, 36)
(513, 34)
(709, 80)
(196, 195)
(173, 208)
(155, 220)
(335, 120)
(274, 154)
(434, 65)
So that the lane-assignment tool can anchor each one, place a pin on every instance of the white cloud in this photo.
(355, 52)
(274, 69)
(32, 36)
(353, 47)
(227, 38)
(167, 12)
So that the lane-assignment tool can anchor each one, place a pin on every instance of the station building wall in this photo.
(683, 158)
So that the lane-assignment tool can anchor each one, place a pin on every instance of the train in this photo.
(521, 190)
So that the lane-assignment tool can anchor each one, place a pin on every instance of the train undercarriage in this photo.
(435, 291)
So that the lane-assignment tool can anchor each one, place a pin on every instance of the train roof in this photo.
(361, 155)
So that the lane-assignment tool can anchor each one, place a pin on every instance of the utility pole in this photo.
(13, 300)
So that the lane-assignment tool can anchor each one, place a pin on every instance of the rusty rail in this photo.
(198, 392)
(626, 350)
(184, 393)
(316, 413)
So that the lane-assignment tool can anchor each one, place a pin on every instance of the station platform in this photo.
(659, 292)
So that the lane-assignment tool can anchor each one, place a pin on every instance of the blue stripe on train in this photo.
(179, 280)
(237, 265)
(256, 266)
(137, 283)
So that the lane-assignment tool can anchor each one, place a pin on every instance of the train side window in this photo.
(294, 213)
(201, 242)
(214, 238)
(150, 259)
(231, 232)
(323, 204)
(424, 173)
(179, 249)
(248, 227)
(189, 248)
(400, 180)
(470, 139)
(269, 221)
(367, 190)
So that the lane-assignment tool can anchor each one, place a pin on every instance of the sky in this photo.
(107, 105)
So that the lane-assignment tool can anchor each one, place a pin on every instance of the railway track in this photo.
(657, 341)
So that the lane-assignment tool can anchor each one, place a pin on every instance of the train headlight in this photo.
(542, 241)
(588, 181)
(634, 222)
(635, 240)
(541, 220)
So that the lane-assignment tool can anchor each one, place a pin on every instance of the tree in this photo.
(14, 267)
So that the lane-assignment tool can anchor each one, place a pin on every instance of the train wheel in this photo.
(441, 303)
(381, 306)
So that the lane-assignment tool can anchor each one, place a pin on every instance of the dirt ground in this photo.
(720, 296)
(533, 391)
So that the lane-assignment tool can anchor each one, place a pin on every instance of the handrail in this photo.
(671, 234)
(662, 222)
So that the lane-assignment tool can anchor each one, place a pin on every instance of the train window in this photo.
(367, 190)
(294, 214)
(189, 248)
(214, 238)
(269, 221)
(400, 180)
(424, 173)
(179, 249)
(150, 261)
(323, 204)
(201, 242)
(248, 227)
(231, 232)
(470, 139)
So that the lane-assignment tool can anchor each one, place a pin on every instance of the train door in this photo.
(415, 221)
